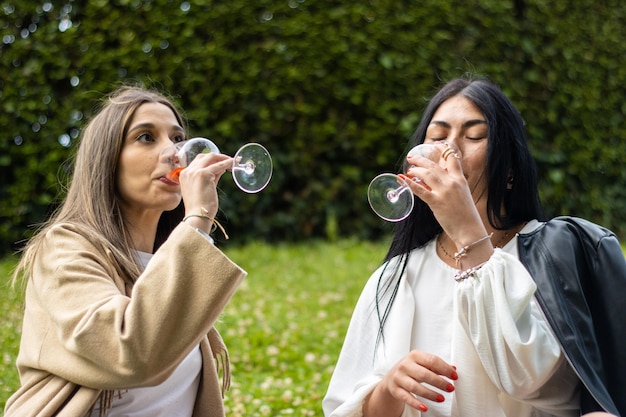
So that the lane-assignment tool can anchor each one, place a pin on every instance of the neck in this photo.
(142, 230)
(446, 247)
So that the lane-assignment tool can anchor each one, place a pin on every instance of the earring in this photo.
(509, 182)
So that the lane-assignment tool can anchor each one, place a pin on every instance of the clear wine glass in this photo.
(390, 196)
(252, 164)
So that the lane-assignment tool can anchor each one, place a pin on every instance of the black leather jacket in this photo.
(580, 271)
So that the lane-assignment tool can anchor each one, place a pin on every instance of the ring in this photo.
(417, 180)
(447, 153)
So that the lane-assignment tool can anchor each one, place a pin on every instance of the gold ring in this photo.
(447, 153)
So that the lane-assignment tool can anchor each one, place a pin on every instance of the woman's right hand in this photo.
(443, 186)
(418, 375)
(198, 182)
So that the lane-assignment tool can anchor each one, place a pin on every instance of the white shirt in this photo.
(175, 397)
(489, 326)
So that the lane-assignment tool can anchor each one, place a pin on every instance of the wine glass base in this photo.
(252, 168)
(390, 197)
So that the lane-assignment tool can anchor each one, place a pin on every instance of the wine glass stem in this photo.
(248, 167)
(393, 195)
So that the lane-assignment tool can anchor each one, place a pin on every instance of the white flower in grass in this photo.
(267, 384)
(287, 396)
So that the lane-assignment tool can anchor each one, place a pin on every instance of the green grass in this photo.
(284, 327)
(10, 329)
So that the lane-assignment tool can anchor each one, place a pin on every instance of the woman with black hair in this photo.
(481, 307)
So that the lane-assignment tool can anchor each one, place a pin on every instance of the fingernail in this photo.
(454, 376)
(440, 398)
(450, 388)
(423, 407)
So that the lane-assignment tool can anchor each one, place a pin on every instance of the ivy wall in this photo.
(333, 90)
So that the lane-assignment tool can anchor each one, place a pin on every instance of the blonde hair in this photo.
(92, 200)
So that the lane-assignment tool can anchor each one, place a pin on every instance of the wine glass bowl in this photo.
(252, 164)
(427, 150)
(389, 195)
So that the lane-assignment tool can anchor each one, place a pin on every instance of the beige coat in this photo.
(83, 333)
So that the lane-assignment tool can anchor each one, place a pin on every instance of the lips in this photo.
(167, 181)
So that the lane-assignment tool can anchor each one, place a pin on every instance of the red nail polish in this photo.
(450, 388)
(454, 376)
(440, 398)
(423, 407)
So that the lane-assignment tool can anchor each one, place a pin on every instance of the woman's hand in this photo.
(198, 182)
(417, 375)
(444, 188)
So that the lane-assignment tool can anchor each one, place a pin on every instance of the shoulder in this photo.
(68, 232)
(570, 241)
(567, 228)
(63, 243)
(402, 265)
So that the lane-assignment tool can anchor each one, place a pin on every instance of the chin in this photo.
(171, 205)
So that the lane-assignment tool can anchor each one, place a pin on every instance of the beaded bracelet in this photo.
(463, 275)
(205, 215)
(463, 251)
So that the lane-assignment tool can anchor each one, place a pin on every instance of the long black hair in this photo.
(508, 161)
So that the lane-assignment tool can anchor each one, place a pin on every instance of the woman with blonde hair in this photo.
(123, 283)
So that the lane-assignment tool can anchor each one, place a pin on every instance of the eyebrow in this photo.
(466, 124)
(142, 126)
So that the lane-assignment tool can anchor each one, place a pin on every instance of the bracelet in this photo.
(205, 215)
(463, 251)
(463, 275)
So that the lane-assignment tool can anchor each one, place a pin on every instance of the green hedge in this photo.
(333, 90)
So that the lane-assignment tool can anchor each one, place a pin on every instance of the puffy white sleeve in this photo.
(501, 335)
(362, 363)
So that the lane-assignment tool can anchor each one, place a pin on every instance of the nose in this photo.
(168, 154)
(453, 140)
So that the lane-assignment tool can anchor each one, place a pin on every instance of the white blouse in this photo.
(508, 361)
(174, 397)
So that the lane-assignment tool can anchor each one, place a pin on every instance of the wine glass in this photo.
(390, 196)
(252, 164)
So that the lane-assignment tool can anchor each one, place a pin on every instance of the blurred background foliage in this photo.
(332, 89)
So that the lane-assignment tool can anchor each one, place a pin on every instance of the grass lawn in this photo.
(284, 327)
